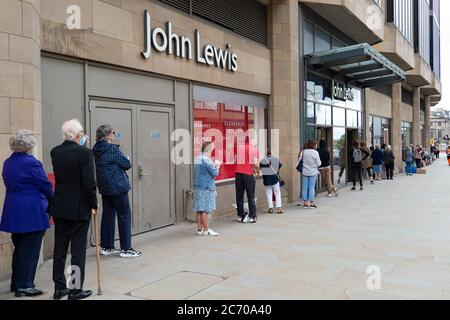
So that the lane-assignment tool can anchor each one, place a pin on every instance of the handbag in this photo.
(281, 181)
(300, 164)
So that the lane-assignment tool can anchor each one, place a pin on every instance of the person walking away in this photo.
(311, 164)
(325, 167)
(113, 184)
(418, 157)
(205, 173)
(367, 162)
(24, 215)
(356, 159)
(71, 207)
(389, 162)
(377, 157)
(247, 166)
(409, 160)
(270, 168)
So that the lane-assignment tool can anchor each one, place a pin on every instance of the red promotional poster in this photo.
(214, 119)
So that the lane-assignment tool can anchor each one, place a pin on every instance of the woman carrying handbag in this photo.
(270, 167)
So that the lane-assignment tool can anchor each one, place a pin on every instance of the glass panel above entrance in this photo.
(359, 65)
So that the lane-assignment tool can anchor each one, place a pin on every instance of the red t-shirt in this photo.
(246, 158)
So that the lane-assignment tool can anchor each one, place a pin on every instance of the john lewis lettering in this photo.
(173, 44)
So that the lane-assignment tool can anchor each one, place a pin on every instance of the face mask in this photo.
(83, 140)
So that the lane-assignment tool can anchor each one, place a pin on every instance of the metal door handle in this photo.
(141, 172)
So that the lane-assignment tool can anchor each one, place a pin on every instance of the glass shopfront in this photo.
(216, 112)
(379, 130)
(406, 134)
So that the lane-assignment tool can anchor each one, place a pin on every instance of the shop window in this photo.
(318, 88)
(322, 40)
(352, 119)
(212, 118)
(339, 117)
(310, 113)
(308, 38)
(323, 115)
(336, 44)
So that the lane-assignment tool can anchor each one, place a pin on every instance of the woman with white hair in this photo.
(71, 207)
(28, 191)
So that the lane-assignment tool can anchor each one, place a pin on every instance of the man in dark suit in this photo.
(71, 208)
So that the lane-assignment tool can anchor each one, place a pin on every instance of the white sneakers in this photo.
(108, 252)
(208, 232)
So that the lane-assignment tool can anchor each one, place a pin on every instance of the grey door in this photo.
(155, 170)
(120, 117)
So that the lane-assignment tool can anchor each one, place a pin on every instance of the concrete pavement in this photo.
(401, 226)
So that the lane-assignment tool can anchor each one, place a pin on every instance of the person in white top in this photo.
(311, 164)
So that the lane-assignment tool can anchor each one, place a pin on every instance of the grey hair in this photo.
(389, 147)
(70, 129)
(103, 132)
(22, 141)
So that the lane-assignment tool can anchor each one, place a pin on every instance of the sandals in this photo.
(280, 211)
(270, 211)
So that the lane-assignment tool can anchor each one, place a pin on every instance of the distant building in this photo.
(440, 125)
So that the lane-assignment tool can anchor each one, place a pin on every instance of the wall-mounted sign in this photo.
(166, 41)
(341, 91)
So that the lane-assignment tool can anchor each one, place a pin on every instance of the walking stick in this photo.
(97, 251)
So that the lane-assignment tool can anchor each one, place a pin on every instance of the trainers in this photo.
(361, 189)
(353, 189)
(312, 206)
(130, 253)
(210, 232)
(108, 252)
(246, 219)
(200, 232)
(253, 220)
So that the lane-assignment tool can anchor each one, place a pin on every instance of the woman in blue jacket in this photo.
(28, 192)
(205, 173)
(113, 184)
(377, 156)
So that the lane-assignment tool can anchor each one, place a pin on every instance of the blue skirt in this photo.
(204, 201)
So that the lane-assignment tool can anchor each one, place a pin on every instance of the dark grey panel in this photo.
(62, 99)
(110, 83)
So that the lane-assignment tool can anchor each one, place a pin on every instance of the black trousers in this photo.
(389, 171)
(245, 183)
(357, 173)
(73, 233)
(27, 247)
(113, 205)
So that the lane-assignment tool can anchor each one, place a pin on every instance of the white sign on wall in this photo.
(173, 44)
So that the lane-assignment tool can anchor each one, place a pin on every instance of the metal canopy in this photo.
(361, 65)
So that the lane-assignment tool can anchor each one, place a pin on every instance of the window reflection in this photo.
(323, 114)
(352, 119)
(310, 113)
(339, 117)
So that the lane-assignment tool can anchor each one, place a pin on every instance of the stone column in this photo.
(416, 117)
(20, 87)
(284, 102)
(396, 125)
(427, 127)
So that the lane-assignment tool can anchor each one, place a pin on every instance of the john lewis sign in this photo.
(182, 47)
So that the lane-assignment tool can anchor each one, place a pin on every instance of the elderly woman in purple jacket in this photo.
(28, 191)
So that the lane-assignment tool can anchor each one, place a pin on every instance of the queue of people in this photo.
(31, 202)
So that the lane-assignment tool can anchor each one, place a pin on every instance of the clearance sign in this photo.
(183, 47)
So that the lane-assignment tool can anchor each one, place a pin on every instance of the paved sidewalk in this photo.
(401, 226)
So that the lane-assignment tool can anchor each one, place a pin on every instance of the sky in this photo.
(445, 54)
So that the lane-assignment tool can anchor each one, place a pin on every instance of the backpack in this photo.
(357, 155)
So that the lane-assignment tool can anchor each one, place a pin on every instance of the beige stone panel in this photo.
(138, 6)
(6, 251)
(116, 3)
(31, 23)
(263, 85)
(57, 38)
(189, 69)
(4, 115)
(37, 151)
(112, 21)
(22, 114)
(24, 50)
(167, 64)
(378, 104)
(4, 46)
(132, 58)
(37, 118)
(11, 16)
(11, 79)
(5, 152)
(31, 82)
(56, 11)
(104, 49)
(406, 112)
